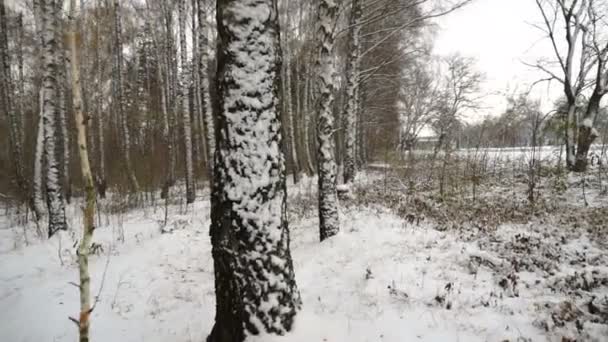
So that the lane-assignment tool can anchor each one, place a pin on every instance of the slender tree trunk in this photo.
(207, 107)
(166, 134)
(21, 83)
(254, 278)
(119, 99)
(289, 127)
(350, 111)
(587, 134)
(201, 137)
(167, 102)
(37, 182)
(89, 210)
(306, 123)
(185, 96)
(196, 98)
(296, 115)
(101, 183)
(50, 99)
(62, 64)
(329, 224)
(569, 135)
(290, 117)
(65, 137)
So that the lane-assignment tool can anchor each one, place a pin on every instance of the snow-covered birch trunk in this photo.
(119, 98)
(37, 184)
(254, 278)
(350, 110)
(83, 320)
(185, 97)
(50, 99)
(100, 180)
(329, 224)
(37, 181)
(206, 107)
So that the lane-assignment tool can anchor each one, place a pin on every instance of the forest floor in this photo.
(408, 265)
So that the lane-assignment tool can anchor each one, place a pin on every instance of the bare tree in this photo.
(597, 50)
(417, 102)
(573, 19)
(458, 92)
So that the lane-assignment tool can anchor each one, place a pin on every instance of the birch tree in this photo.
(254, 278)
(119, 102)
(288, 87)
(49, 111)
(62, 88)
(100, 178)
(199, 151)
(329, 224)
(295, 164)
(203, 69)
(185, 96)
(350, 110)
(37, 182)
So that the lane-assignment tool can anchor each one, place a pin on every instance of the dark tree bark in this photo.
(11, 108)
(254, 278)
(586, 133)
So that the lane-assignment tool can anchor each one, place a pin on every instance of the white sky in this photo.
(499, 34)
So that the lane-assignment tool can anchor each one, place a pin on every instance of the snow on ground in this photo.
(380, 279)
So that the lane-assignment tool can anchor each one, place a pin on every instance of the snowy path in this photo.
(380, 279)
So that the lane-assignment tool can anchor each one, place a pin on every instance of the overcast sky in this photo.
(499, 35)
